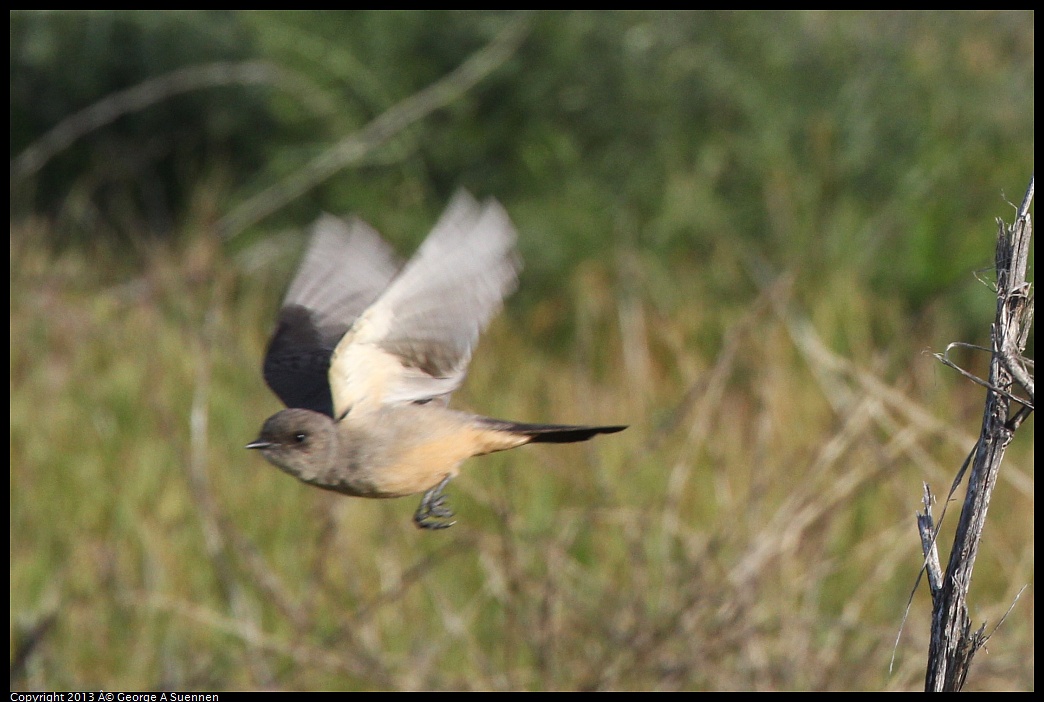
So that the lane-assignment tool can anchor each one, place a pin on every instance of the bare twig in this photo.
(253, 635)
(154, 90)
(26, 640)
(944, 358)
(928, 536)
(953, 644)
(929, 533)
(354, 148)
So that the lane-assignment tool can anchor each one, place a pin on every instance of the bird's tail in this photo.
(551, 433)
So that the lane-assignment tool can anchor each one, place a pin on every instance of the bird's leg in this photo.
(433, 508)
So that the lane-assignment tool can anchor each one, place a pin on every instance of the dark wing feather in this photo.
(345, 268)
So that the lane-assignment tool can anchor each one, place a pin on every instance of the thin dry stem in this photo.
(352, 149)
(953, 644)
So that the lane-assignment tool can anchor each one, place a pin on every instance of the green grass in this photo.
(753, 529)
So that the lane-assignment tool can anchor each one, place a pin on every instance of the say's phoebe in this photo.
(366, 354)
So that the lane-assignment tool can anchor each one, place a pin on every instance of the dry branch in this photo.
(953, 644)
(138, 97)
(355, 147)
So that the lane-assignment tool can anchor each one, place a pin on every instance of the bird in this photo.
(366, 353)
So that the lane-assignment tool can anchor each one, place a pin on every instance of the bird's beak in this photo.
(258, 444)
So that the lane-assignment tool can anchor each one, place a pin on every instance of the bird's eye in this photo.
(300, 438)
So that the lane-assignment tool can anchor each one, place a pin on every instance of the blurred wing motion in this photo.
(345, 268)
(414, 343)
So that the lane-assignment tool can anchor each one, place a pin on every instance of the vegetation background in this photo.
(743, 233)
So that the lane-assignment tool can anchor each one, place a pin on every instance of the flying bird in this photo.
(366, 353)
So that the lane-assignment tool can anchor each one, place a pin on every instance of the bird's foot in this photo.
(433, 513)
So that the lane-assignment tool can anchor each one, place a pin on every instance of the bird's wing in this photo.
(414, 343)
(344, 270)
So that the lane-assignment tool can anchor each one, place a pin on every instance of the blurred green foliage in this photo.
(132, 176)
(871, 142)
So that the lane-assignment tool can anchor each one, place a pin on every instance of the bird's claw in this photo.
(433, 511)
